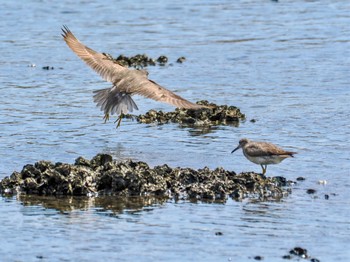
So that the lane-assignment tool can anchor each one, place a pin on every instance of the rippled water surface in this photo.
(285, 64)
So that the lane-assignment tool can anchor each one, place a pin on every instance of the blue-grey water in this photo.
(285, 64)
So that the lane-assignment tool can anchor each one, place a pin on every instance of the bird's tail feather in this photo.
(113, 102)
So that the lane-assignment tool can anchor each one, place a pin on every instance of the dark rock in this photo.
(181, 59)
(326, 196)
(162, 59)
(258, 258)
(104, 176)
(218, 233)
(82, 162)
(314, 260)
(311, 191)
(48, 67)
(300, 252)
(215, 115)
(137, 61)
(300, 178)
(100, 160)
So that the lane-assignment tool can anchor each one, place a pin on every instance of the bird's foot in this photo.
(119, 120)
(106, 117)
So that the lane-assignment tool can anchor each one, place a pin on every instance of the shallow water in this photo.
(284, 64)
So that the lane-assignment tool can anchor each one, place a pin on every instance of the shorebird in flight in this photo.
(262, 153)
(126, 82)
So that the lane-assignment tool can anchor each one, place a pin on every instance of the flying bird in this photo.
(126, 82)
(262, 153)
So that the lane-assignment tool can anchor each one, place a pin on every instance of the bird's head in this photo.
(241, 144)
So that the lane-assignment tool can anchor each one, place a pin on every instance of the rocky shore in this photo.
(215, 115)
(103, 176)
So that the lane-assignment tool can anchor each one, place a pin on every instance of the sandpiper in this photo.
(262, 153)
(126, 82)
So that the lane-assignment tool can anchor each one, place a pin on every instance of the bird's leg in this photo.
(264, 169)
(106, 117)
(119, 120)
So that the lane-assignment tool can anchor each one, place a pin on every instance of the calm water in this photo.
(285, 64)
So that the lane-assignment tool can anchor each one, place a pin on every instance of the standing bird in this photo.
(262, 153)
(117, 99)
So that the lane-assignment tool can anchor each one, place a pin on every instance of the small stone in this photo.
(314, 260)
(298, 251)
(311, 191)
(162, 59)
(218, 233)
(48, 67)
(181, 59)
(258, 258)
(300, 178)
(326, 196)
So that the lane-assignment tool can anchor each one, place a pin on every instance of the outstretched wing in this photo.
(156, 92)
(123, 79)
(137, 82)
(97, 61)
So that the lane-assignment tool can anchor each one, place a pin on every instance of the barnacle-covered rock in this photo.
(103, 176)
(141, 60)
(215, 115)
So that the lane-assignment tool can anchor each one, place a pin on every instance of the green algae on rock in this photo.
(104, 176)
(215, 115)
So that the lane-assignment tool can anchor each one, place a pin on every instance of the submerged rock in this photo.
(215, 115)
(104, 176)
(300, 253)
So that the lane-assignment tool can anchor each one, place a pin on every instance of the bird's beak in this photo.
(238, 147)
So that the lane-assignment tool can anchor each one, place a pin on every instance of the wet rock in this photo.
(137, 61)
(314, 260)
(258, 258)
(300, 252)
(141, 60)
(300, 178)
(103, 176)
(218, 233)
(48, 67)
(162, 60)
(326, 196)
(181, 59)
(311, 191)
(215, 115)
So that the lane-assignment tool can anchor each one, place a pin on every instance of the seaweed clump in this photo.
(104, 176)
(213, 115)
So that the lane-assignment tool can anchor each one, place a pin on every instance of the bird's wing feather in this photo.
(141, 85)
(97, 61)
(123, 79)
(267, 149)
